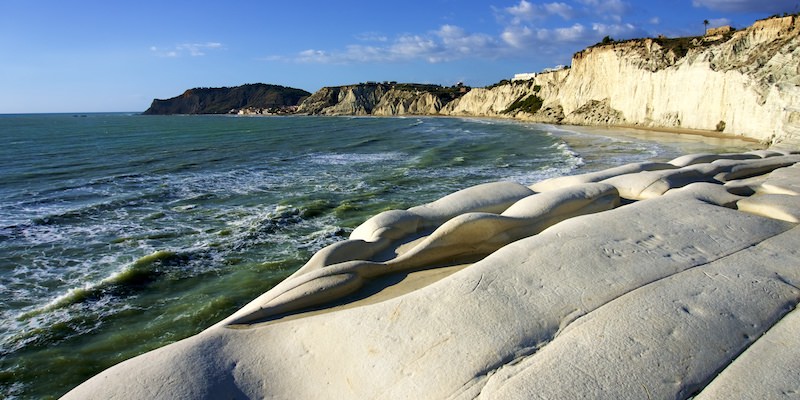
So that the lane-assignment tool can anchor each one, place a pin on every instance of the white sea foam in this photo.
(354, 158)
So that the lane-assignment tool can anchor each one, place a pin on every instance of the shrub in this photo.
(501, 83)
(529, 104)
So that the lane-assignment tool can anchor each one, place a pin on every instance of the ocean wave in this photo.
(144, 270)
(81, 310)
(354, 158)
(292, 233)
(573, 158)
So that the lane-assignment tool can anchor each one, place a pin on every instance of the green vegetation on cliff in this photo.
(225, 100)
(445, 94)
(529, 104)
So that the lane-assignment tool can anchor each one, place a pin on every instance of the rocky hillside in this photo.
(380, 99)
(357, 99)
(255, 98)
(745, 83)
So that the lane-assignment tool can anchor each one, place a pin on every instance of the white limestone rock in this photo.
(466, 236)
(684, 293)
(769, 369)
(779, 206)
(747, 85)
(597, 176)
(691, 159)
(782, 181)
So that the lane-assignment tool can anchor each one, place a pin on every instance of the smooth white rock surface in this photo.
(685, 292)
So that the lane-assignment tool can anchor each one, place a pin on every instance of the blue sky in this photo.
(83, 56)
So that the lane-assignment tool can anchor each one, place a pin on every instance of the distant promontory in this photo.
(257, 98)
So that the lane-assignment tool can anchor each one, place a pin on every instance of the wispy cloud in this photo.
(608, 9)
(526, 11)
(372, 37)
(526, 28)
(717, 22)
(448, 43)
(191, 49)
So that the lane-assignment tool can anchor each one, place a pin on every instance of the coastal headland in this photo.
(739, 83)
(676, 279)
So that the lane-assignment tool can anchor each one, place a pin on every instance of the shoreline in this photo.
(690, 131)
(592, 129)
(627, 127)
(642, 131)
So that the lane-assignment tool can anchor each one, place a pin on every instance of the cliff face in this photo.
(380, 99)
(344, 100)
(229, 99)
(746, 83)
(404, 102)
(488, 102)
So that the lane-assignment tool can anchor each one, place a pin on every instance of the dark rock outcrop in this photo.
(227, 100)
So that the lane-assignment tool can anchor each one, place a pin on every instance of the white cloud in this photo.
(607, 6)
(448, 43)
(572, 34)
(524, 11)
(527, 29)
(414, 46)
(613, 10)
(755, 6)
(523, 37)
(527, 11)
(717, 22)
(192, 49)
(563, 10)
(615, 30)
(372, 37)
(518, 36)
(459, 44)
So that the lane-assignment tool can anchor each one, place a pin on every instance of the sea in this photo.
(121, 233)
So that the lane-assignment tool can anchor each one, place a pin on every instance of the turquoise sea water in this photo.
(120, 233)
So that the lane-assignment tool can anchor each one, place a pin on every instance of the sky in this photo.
(103, 56)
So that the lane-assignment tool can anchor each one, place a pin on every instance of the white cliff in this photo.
(405, 102)
(745, 84)
(741, 83)
(489, 101)
(344, 100)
